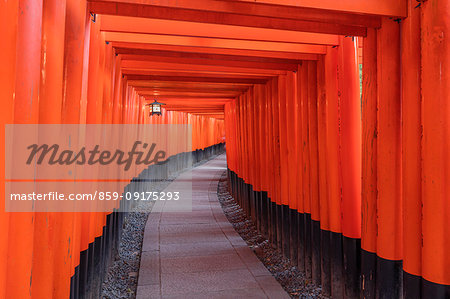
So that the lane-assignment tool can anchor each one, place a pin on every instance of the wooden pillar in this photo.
(325, 249)
(282, 128)
(106, 72)
(291, 138)
(350, 160)
(435, 21)
(304, 100)
(350, 132)
(257, 157)
(270, 161)
(26, 111)
(117, 106)
(264, 162)
(389, 204)
(277, 159)
(411, 152)
(314, 172)
(333, 172)
(284, 164)
(299, 172)
(51, 248)
(94, 103)
(73, 60)
(72, 92)
(9, 11)
(369, 166)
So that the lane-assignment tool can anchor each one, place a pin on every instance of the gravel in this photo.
(291, 279)
(122, 277)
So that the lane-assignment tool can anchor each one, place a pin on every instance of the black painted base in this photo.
(337, 265)
(326, 249)
(416, 287)
(352, 266)
(434, 290)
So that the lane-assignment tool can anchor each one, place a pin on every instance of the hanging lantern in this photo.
(155, 108)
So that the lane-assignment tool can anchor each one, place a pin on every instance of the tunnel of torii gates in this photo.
(351, 183)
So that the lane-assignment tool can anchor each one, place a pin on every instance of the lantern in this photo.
(155, 108)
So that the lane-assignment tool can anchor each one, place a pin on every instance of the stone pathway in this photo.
(198, 254)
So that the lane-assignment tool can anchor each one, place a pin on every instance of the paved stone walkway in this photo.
(198, 254)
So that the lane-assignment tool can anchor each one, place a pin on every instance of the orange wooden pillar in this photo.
(369, 166)
(97, 112)
(73, 79)
(117, 106)
(51, 248)
(89, 220)
(277, 162)
(73, 60)
(292, 165)
(234, 119)
(306, 186)
(260, 145)
(252, 180)
(9, 11)
(238, 137)
(247, 145)
(411, 152)
(256, 185)
(300, 166)
(124, 100)
(94, 115)
(246, 123)
(283, 94)
(230, 140)
(350, 115)
(325, 249)
(26, 105)
(381, 185)
(241, 149)
(282, 102)
(270, 164)
(256, 143)
(106, 103)
(333, 172)
(314, 172)
(94, 95)
(350, 160)
(389, 204)
(298, 133)
(106, 72)
(264, 162)
(435, 20)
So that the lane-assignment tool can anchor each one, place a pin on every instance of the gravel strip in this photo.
(122, 277)
(291, 279)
